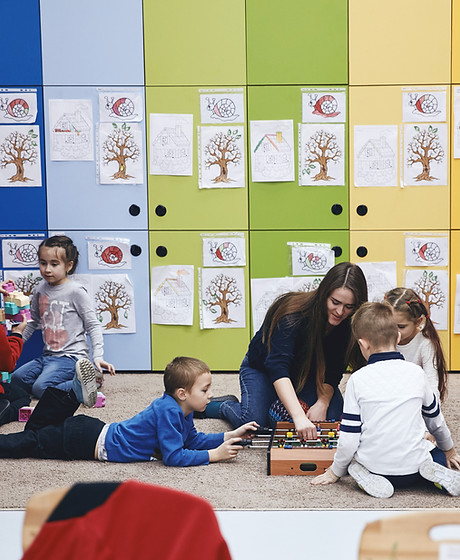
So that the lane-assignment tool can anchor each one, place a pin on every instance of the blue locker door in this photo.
(76, 200)
(23, 207)
(92, 43)
(20, 43)
(127, 351)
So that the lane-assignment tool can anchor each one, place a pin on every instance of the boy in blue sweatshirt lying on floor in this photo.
(164, 430)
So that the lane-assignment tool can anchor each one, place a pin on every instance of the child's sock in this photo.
(373, 484)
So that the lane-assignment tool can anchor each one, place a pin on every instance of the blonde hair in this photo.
(183, 372)
(375, 323)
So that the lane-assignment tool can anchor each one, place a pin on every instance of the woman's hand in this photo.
(305, 429)
(317, 412)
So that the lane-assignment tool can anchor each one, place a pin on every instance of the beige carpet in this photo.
(239, 484)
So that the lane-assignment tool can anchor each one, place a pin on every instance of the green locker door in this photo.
(222, 349)
(286, 205)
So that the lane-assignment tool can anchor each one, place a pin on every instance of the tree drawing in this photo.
(425, 148)
(120, 146)
(222, 292)
(429, 289)
(321, 149)
(112, 297)
(18, 149)
(26, 284)
(309, 285)
(221, 150)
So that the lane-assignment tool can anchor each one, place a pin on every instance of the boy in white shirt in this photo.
(388, 405)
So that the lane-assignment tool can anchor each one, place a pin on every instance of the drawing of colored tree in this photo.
(18, 149)
(221, 150)
(120, 146)
(112, 297)
(222, 292)
(429, 289)
(26, 284)
(321, 149)
(310, 285)
(425, 148)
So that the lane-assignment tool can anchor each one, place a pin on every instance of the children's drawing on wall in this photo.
(456, 125)
(264, 291)
(424, 105)
(311, 258)
(120, 106)
(114, 298)
(172, 295)
(321, 154)
(71, 129)
(224, 249)
(120, 153)
(25, 280)
(380, 276)
(375, 156)
(20, 252)
(324, 105)
(221, 157)
(222, 106)
(427, 251)
(171, 144)
(222, 298)
(306, 283)
(20, 162)
(18, 105)
(433, 287)
(425, 149)
(272, 151)
(104, 254)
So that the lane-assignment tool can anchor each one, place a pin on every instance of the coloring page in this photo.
(113, 295)
(324, 105)
(456, 127)
(427, 251)
(425, 154)
(306, 283)
(120, 106)
(311, 258)
(432, 286)
(380, 277)
(18, 105)
(120, 153)
(71, 129)
(222, 298)
(264, 291)
(457, 307)
(20, 252)
(221, 163)
(172, 294)
(321, 154)
(20, 162)
(171, 144)
(222, 106)
(224, 249)
(376, 156)
(424, 105)
(104, 254)
(272, 151)
(24, 280)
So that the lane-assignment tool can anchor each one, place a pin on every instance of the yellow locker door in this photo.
(455, 42)
(378, 156)
(378, 246)
(399, 41)
(455, 162)
(455, 270)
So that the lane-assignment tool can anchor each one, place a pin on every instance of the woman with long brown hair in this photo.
(299, 355)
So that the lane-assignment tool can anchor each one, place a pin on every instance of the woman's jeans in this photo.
(46, 371)
(257, 395)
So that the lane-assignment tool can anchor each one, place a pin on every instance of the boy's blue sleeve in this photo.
(200, 440)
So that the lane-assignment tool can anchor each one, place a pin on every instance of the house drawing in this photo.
(272, 155)
(376, 160)
(71, 133)
(174, 293)
(171, 149)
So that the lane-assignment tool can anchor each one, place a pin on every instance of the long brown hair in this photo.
(313, 305)
(407, 301)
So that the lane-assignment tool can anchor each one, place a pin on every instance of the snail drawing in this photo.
(25, 254)
(123, 107)
(325, 106)
(429, 252)
(17, 109)
(426, 104)
(110, 256)
(226, 252)
(224, 109)
(312, 261)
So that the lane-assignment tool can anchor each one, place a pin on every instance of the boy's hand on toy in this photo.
(227, 450)
(327, 478)
(19, 327)
(246, 431)
(453, 460)
(102, 364)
